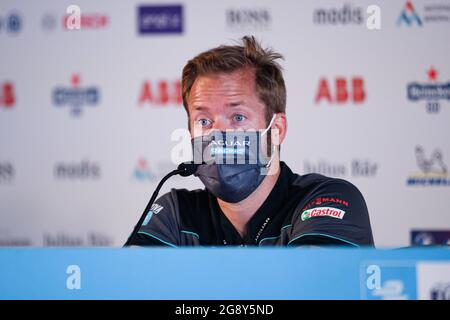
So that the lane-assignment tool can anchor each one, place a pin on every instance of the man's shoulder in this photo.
(170, 216)
(314, 181)
(330, 210)
(186, 195)
(184, 200)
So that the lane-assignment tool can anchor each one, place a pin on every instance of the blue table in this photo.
(224, 273)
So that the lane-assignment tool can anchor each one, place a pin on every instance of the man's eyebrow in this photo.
(230, 104)
(235, 104)
(200, 108)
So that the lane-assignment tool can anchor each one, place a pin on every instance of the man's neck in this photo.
(241, 212)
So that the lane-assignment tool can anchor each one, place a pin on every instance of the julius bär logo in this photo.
(7, 96)
(76, 97)
(357, 168)
(345, 91)
(431, 92)
(408, 16)
(434, 171)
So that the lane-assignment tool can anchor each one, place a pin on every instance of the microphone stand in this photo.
(184, 169)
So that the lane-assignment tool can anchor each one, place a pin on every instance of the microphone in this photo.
(185, 169)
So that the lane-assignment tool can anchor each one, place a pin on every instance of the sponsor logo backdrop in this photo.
(86, 116)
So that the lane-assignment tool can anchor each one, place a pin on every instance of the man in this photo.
(241, 87)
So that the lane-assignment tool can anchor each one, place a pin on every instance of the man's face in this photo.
(225, 101)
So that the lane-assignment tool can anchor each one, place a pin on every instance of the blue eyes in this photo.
(206, 122)
(239, 118)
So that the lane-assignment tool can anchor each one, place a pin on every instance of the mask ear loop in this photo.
(264, 132)
(270, 124)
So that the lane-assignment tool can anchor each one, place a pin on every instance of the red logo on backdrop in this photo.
(345, 90)
(7, 96)
(161, 93)
(89, 21)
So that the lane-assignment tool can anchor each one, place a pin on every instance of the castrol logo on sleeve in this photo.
(323, 212)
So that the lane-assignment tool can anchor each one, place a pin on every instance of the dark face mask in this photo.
(233, 163)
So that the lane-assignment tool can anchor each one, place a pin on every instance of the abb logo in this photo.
(7, 97)
(345, 91)
(161, 93)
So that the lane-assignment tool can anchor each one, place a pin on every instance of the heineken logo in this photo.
(323, 212)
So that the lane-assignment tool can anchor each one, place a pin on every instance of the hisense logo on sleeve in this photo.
(323, 212)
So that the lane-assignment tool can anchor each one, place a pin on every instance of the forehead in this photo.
(237, 83)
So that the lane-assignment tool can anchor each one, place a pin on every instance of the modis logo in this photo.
(347, 15)
(76, 97)
(323, 212)
(160, 93)
(346, 90)
(84, 170)
(432, 92)
(7, 96)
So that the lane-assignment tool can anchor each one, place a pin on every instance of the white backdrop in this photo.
(82, 175)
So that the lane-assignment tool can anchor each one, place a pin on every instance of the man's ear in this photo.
(280, 126)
